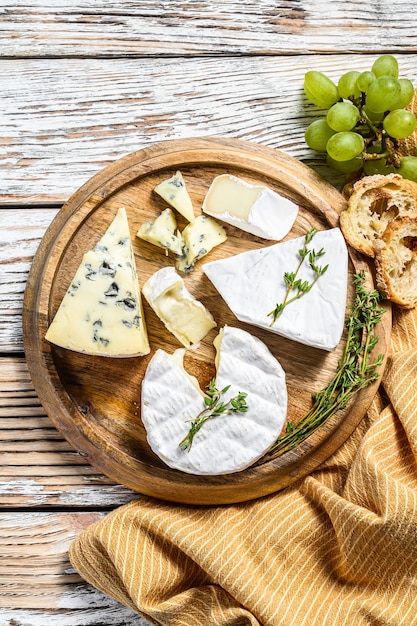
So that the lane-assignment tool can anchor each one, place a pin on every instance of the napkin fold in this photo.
(337, 548)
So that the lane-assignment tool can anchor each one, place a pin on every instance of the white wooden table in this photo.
(82, 83)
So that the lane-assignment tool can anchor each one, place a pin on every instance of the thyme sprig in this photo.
(356, 368)
(295, 286)
(214, 407)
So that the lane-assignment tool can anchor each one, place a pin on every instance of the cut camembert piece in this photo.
(252, 284)
(227, 443)
(101, 312)
(184, 316)
(252, 208)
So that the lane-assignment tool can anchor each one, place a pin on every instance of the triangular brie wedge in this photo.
(101, 312)
(252, 284)
(171, 399)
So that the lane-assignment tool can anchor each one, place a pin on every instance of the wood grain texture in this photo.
(20, 233)
(84, 114)
(172, 28)
(38, 468)
(93, 401)
(35, 572)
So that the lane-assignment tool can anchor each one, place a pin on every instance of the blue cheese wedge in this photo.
(252, 284)
(101, 312)
(171, 399)
(163, 232)
(184, 316)
(174, 191)
(198, 239)
(253, 208)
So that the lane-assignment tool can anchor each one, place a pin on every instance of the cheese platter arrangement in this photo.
(186, 310)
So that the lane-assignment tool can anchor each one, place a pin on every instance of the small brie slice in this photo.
(162, 232)
(198, 239)
(184, 316)
(252, 285)
(171, 400)
(174, 191)
(252, 208)
(101, 312)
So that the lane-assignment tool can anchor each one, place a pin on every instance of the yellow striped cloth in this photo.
(338, 548)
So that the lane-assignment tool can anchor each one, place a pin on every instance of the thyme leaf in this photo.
(214, 407)
(356, 368)
(295, 286)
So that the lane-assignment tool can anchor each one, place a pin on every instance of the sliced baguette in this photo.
(374, 202)
(396, 261)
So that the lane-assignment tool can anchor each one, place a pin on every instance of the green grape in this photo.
(318, 134)
(364, 80)
(399, 123)
(408, 167)
(342, 116)
(376, 167)
(407, 93)
(383, 94)
(371, 115)
(347, 86)
(345, 167)
(345, 146)
(385, 65)
(364, 108)
(374, 148)
(320, 89)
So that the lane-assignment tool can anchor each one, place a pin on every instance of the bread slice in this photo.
(375, 201)
(396, 261)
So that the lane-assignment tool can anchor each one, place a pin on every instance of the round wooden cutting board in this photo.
(95, 401)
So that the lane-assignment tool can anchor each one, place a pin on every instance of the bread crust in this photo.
(396, 261)
(376, 201)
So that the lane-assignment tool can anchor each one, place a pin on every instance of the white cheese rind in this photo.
(174, 191)
(228, 443)
(182, 314)
(253, 208)
(198, 239)
(162, 232)
(252, 284)
(101, 312)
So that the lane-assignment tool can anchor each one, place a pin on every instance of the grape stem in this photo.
(388, 146)
(367, 156)
(367, 121)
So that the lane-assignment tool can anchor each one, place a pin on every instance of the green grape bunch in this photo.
(366, 119)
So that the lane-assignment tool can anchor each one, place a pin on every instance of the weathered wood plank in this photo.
(97, 612)
(64, 119)
(185, 27)
(38, 585)
(35, 492)
(38, 468)
(20, 234)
